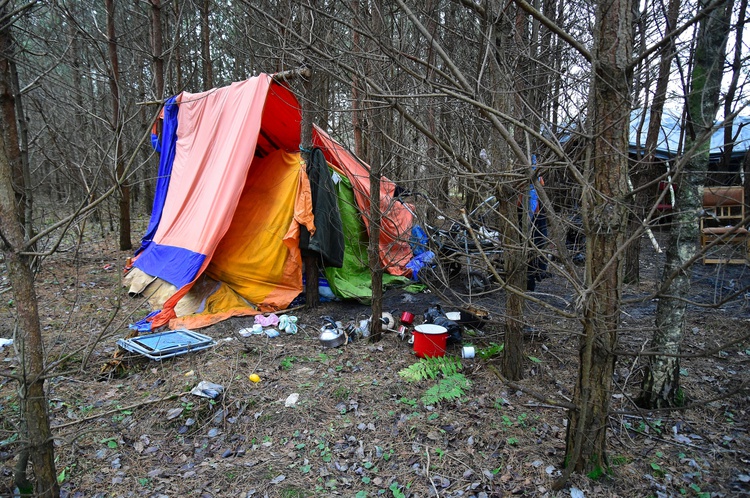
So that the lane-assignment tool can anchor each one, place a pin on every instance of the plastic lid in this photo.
(431, 328)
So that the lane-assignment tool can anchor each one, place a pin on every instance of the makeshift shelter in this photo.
(231, 197)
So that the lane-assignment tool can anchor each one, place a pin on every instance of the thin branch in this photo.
(554, 28)
(544, 399)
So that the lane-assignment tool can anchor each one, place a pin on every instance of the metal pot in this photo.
(331, 338)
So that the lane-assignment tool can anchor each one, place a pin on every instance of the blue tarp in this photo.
(670, 131)
(167, 149)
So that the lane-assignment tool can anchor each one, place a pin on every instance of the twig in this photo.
(116, 410)
(427, 471)
(640, 412)
(534, 394)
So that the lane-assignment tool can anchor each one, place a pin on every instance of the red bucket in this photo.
(430, 340)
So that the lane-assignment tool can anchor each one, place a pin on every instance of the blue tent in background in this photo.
(669, 135)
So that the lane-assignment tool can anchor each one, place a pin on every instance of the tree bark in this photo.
(9, 117)
(648, 169)
(376, 132)
(208, 71)
(729, 102)
(157, 56)
(661, 382)
(356, 100)
(34, 401)
(515, 250)
(114, 86)
(606, 219)
(312, 295)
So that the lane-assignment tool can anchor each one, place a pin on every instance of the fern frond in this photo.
(430, 368)
(448, 389)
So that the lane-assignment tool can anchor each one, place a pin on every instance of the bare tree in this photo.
(661, 382)
(114, 85)
(376, 118)
(609, 119)
(35, 428)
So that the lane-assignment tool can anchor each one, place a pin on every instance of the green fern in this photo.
(430, 368)
(448, 389)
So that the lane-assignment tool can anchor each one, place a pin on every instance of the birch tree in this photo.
(661, 383)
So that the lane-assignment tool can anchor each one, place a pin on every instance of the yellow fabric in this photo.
(258, 260)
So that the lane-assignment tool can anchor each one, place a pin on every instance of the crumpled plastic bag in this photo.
(288, 323)
(418, 262)
(206, 389)
(267, 321)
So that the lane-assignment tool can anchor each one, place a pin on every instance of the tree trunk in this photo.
(729, 102)
(649, 167)
(507, 99)
(114, 85)
(177, 65)
(661, 382)
(157, 55)
(312, 296)
(356, 101)
(34, 401)
(9, 118)
(208, 71)
(377, 139)
(606, 219)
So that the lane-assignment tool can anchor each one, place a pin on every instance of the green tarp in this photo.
(353, 279)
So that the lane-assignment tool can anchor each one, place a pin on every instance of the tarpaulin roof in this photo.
(231, 195)
(670, 134)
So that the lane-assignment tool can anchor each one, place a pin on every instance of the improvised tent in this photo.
(231, 197)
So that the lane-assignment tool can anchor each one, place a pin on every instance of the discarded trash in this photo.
(406, 320)
(435, 315)
(332, 338)
(429, 340)
(254, 378)
(291, 400)
(453, 315)
(256, 329)
(174, 413)
(271, 333)
(5, 342)
(167, 344)
(418, 262)
(143, 325)
(288, 323)
(325, 294)
(467, 352)
(267, 321)
(388, 321)
(206, 389)
(363, 330)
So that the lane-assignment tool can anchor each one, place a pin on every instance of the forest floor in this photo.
(358, 428)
